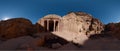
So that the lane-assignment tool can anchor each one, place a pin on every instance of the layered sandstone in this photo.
(80, 22)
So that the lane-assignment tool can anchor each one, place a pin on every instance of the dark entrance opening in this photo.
(45, 24)
(51, 25)
(56, 24)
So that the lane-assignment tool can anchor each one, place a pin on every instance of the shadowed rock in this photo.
(113, 29)
(15, 43)
(15, 27)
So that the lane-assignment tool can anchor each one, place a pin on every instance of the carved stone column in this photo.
(54, 25)
(47, 25)
(58, 26)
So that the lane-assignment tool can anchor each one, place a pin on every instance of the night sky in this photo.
(105, 10)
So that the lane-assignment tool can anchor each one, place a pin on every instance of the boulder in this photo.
(38, 28)
(51, 40)
(113, 29)
(15, 27)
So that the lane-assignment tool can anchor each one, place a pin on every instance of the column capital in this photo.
(54, 20)
(48, 19)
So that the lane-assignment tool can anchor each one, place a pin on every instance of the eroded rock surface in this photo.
(113, 29)
(80, 22)
(15, 27)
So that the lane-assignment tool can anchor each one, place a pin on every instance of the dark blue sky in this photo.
(105, 10)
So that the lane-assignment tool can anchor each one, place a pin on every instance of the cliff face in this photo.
(80, 22)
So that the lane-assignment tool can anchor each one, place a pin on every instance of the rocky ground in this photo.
(31, 43)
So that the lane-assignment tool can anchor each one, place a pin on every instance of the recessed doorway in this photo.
(51, 25)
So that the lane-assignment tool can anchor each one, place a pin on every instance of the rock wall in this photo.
(80, 22)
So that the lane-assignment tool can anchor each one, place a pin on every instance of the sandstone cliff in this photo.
(80, 22)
